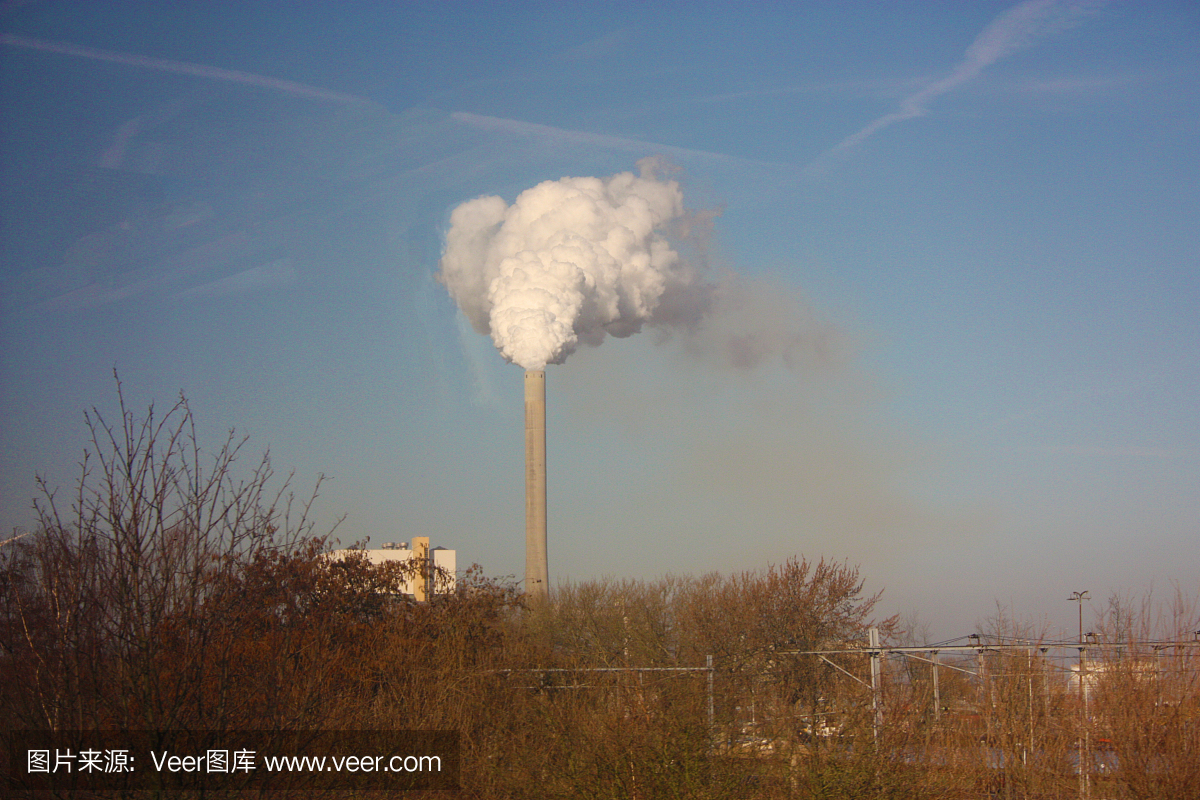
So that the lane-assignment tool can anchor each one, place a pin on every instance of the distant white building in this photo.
(1094, 673)
(441, 578)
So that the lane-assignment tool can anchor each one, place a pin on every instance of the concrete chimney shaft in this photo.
(537, 576)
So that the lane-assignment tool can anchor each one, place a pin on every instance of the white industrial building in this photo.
(1090, 676)
(439, 579)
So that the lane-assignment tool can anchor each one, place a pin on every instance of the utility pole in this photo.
(1045, 684)
(937, 692)
(1029, 677)
(1084, 743)
(709, 666)
(876, 704)
(985, 689)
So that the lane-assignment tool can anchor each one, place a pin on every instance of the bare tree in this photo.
(109, 605)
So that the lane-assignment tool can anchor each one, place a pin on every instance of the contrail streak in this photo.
(180, 67)
(1018, 28)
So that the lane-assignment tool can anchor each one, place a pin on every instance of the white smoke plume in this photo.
(570, 261)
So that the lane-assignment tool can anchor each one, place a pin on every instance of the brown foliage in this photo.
(173, 595)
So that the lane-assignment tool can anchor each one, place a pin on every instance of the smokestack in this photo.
(537, 577)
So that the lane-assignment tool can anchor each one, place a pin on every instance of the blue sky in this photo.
(989, 209)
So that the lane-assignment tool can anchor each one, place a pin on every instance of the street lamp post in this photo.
(1079, 597)
(1085, 743)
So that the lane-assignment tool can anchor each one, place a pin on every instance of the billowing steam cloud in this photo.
(577, 259)
(569, 261)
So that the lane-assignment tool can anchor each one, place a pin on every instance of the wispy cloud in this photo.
(275, 275)
(1085, 85)
(609, 44)
(1020, 27)
(553, 136)
(868, 88)
(1106, 452)
(180, 67)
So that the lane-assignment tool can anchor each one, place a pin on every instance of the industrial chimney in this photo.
(537, 577)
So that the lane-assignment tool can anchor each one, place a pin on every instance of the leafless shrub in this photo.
(116, 606)
(171, 594)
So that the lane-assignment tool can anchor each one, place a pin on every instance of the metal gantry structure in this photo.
(930, 653)
(875, 651)
(1090, 654)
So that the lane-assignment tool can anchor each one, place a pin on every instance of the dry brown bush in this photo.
(172, 594)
